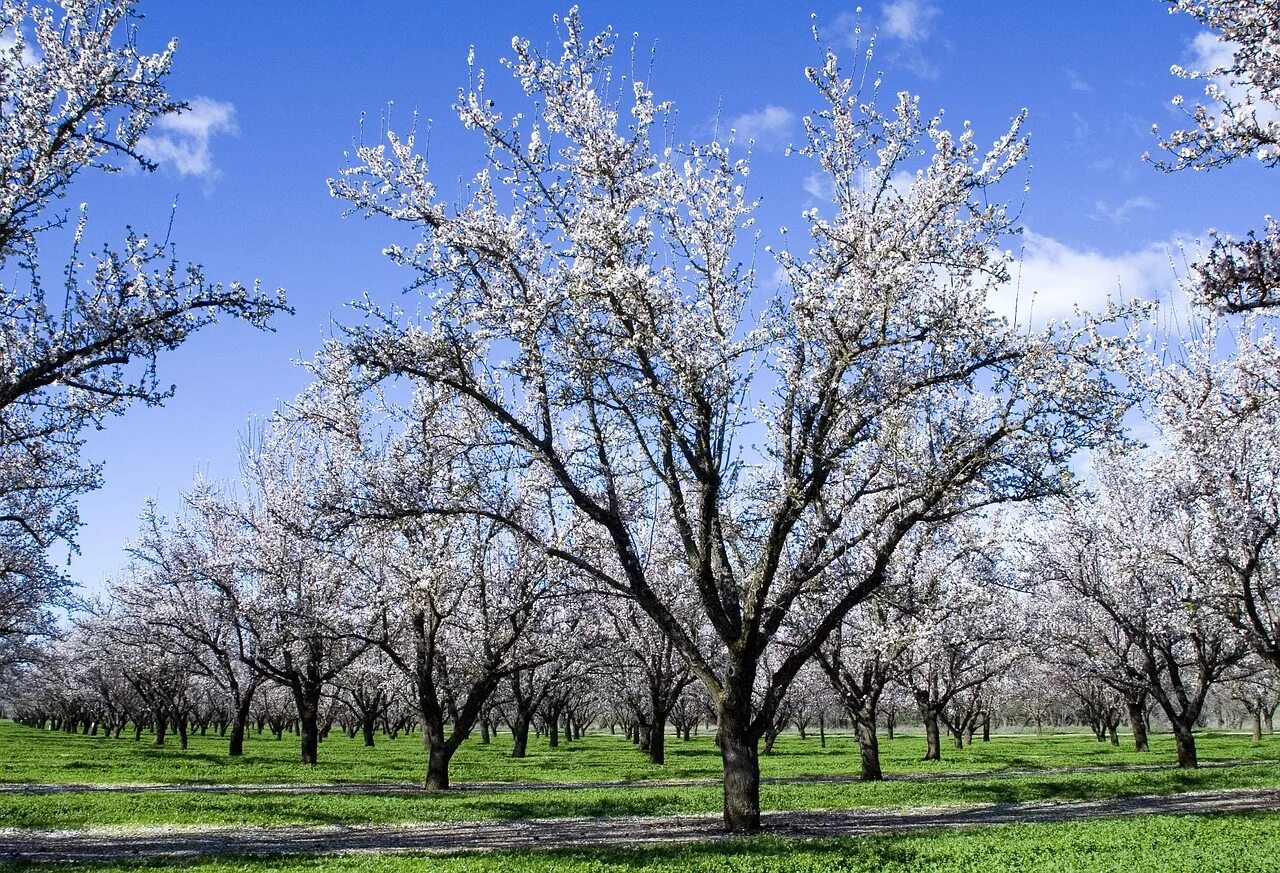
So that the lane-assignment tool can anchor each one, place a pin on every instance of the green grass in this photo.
(92, 809)
(29, 755)
(1152, 844)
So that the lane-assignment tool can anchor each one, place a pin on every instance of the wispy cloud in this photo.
(1120, 214)
(819, 187)
(909, 20)
(769, 128)
(180, 141)
(908, 25)
(1076, 82)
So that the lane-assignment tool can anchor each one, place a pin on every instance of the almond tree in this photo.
(301, 584)
(953, 604)
(183, 578)
(1076, 638)
(1240, 119)
(648, 669)
(79, 341)
(1219, 416)
(1119, 564)
(454, 596)
(860, 659)
(588, 299)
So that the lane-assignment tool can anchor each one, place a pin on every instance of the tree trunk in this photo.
(484, 732)
(162, 727)
(741, 757)
(235, 746)
(367, 725)
(933, 742)
(822, 730)
(658, 740)
(1138, 723)
(553, 729)
(520, 736)
(1257, 726)
(1186, 742)
(309, 726)
(438, 756)
(182, 732)
(986, 729)
(869, 749)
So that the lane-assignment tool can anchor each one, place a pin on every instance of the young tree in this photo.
(588, 300)
(454, 595)
(79, 97)
(1239, 120)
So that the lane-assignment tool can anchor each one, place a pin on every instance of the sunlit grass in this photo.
(29, 755)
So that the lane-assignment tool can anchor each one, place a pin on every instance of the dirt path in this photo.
(185, 843)
(410, 788)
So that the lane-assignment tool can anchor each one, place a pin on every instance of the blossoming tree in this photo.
(588, 297)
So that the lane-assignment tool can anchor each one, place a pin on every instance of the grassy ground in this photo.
(1155, 844)
(28, 755)
(92, 809)
(31, 755)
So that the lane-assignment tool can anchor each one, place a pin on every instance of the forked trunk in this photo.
(235, 746)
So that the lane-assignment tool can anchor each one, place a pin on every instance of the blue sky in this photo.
(278, 90)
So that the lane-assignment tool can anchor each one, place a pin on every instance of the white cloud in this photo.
(1210, 53)
(28, 55)
(909, 20)
(1050, 279)
(768, 128)
(1120, 214)
(180, 141)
